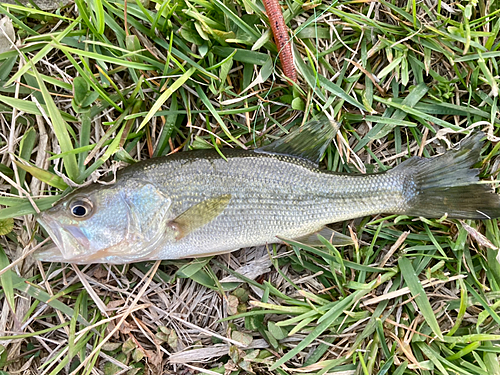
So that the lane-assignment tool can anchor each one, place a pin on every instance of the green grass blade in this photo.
(30, 107)
(43, 175)
(6, 280)
(165, 95)
(211, 108)
(60, 129)
(250, 31)
(418, 292)
(24, 286)
(25, 207)
(42, 53)
(323, 324)
(98, 10)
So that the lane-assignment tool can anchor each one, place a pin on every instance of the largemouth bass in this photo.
(197, 203)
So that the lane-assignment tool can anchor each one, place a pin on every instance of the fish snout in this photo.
(51, 227)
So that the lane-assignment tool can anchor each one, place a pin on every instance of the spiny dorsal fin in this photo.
(307, 142)
(199, 215)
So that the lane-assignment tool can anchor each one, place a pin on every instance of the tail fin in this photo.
(448, 184)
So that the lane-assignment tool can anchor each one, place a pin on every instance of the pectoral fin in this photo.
(335, 238)
(199, 215)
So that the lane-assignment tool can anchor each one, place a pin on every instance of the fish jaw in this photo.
(69, 241)
(49, 253)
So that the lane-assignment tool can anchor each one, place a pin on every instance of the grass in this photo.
(85, 92)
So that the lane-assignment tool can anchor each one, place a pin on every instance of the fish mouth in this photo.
(50, 253)
(68, 242)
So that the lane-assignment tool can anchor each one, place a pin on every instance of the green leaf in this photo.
(212, 110)
(298, 104)
(168, 128)
(251, 32)
(108, 59)
(133, 45)
(192, 267)
(3, 358)
(60, 129)
(25, 150)
(389, 68)
(241, 55)
(80, 89)
(98, 11)
(277, 332)
(6, 226)
(165, 95)
(24, 207)
(6, 280)
(43, 175)
(30, 107)
(418, 292)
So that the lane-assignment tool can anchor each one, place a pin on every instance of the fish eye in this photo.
(81, 208)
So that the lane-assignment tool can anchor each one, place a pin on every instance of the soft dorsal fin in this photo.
(307, 142)
(199, 215)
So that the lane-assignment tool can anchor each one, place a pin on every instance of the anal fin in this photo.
(335, 238)
(210, 254)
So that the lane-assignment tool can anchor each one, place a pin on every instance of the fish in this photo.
(200, 203)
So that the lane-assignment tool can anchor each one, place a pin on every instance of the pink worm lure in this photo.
(279, 29)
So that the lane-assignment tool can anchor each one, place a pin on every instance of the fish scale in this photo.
(271, 196)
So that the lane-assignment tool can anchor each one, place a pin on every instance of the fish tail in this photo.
(448, 185)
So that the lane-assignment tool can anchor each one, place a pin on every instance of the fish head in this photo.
(106, 224)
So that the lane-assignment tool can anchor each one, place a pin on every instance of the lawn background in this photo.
(403, 78)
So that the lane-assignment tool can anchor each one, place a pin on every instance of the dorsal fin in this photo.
(307, 142)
